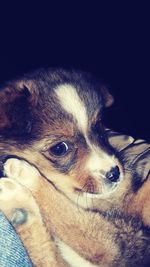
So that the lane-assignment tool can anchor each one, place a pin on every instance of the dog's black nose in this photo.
(114, 174)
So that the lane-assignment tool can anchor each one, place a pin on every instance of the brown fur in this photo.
(108, 232)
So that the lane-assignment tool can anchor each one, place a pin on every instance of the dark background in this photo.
(107, 38)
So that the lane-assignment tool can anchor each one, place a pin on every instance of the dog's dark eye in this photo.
(59, 149)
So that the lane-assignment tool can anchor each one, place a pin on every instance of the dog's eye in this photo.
(59, 149)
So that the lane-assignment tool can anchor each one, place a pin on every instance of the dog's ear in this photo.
(16, 99)
(107, 97)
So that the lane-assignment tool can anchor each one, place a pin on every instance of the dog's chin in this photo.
(89, 199)
(106, 191)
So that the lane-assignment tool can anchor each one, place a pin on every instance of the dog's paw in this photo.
(21, 171)
(17, 202)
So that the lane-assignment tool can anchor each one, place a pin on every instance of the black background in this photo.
(107, 38)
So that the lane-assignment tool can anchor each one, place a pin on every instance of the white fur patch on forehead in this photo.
(71, 102)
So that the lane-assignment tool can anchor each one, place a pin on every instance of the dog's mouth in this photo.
(105, 191)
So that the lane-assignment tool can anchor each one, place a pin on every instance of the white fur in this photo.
(71, 102)
(21, 170)
(72, 257)
(8, 189)
(99, 161)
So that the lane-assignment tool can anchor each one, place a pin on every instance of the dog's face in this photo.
(53, 120)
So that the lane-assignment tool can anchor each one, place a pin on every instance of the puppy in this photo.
(53, 119)
(75, 203)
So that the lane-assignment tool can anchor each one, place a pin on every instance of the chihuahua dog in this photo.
(60, 202)
(53, 119)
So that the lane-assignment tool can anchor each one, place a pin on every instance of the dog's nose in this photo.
(114, 174)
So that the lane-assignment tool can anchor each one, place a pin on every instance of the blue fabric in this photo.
(12, 252)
